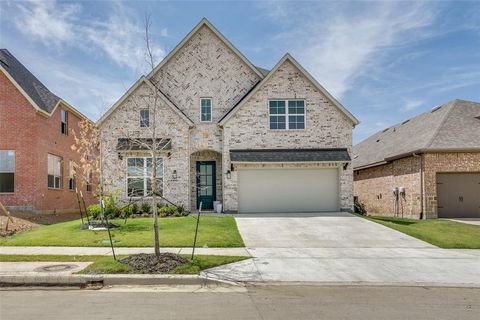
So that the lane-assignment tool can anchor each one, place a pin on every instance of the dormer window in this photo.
(206, 110)
(64, 122)
(144, 118)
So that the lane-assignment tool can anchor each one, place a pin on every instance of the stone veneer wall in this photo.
(124, 122)
(373, 186)
(326, 127)
(445, 162)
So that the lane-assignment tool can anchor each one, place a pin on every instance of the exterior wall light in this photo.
(174, 175)
(229, 174)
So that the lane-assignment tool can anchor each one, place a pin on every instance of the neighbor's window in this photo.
(89, 180)
(139, 177)
(286, 114)
(206, 110)
(54, 172)
(144, 118)
(71, 175)
(64, 121)
(7, 171)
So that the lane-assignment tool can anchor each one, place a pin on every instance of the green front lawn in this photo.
(441, 233)
(106, 264)
(174, 232)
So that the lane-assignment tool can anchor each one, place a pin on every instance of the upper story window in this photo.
(7, 171)
(89, 180)
(54, 172)
(64, 122)
(286, 114)
(144, 118)
(206, 110)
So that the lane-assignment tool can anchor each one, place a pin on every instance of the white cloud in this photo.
(412, 104)
(339, 42)
(121, 37)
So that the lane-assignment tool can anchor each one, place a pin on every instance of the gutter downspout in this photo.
(422, 215)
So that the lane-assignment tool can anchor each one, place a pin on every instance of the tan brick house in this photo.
(424, 167)
(35, 143)
(255, 140)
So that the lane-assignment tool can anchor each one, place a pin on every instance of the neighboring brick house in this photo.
(252, 139)
(35, 143)
(433, 159)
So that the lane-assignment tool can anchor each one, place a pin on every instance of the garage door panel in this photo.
(288, 190)
(458, 195)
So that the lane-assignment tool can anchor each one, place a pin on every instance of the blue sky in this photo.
(384, 61)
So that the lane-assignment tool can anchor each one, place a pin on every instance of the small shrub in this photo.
(173, 211)
(133, 208)
(124, 212)
(359, 207)
(146, 208)
(111, 209)
(94, 211)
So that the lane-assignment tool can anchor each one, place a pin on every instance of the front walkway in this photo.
(342, 248)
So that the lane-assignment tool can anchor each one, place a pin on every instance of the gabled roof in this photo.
(162, 97)
(42, 99)
(205, 22)
(259, 85)
(454, 126)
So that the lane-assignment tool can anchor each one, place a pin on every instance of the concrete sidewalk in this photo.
(87, 251)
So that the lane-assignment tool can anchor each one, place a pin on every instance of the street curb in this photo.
(100, 280)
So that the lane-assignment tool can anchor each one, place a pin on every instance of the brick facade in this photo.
(373, 186)
(205, 67)
(33, 136)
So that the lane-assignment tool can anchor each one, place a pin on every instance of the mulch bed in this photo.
(18, 225)
(45, 218)
(149, 263)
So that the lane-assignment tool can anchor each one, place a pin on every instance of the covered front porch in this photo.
(205, 179)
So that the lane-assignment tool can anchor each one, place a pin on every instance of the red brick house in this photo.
(35, 144)
(424, 167)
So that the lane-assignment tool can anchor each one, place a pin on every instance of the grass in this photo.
(441, 233)
(106, 264)
(174, 232)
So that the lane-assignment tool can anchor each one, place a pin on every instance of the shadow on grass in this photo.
(399, 222)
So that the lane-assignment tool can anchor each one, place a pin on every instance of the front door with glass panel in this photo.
(206, 184)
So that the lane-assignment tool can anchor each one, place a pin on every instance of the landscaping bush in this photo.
(133, 208)
(359, 207)
(173, 211)
(111, 209)
(124, 212)
(94, 211)
(146, 208)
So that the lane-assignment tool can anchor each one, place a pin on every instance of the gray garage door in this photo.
(287, 190)
(458, 195)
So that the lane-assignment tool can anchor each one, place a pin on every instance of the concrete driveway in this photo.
(342, 248)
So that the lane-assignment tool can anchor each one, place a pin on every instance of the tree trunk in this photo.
(154, 205)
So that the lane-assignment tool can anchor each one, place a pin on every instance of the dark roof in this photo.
(263, 71)
(289, 155)
(126, 144)
(240, 100)
(452, 126)
(43, 97)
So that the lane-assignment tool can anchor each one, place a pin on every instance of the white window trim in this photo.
(63, 111)
(140, 118)
(211, 109)
(55, 176)
(14, 171)
(144, 176)
(287, 114)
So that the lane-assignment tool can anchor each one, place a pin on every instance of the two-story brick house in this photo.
(252, 139)
(35, 144)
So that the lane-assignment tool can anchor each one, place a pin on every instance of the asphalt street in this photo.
(251, 302)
